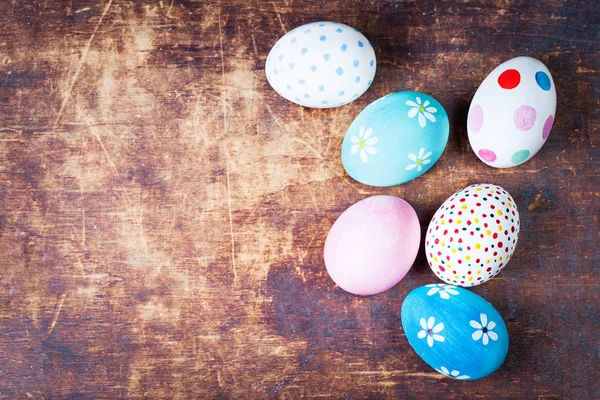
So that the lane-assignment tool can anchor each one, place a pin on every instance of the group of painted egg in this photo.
(397, 138)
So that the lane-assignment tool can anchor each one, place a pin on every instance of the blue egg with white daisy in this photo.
(455, 331)
(395, 139)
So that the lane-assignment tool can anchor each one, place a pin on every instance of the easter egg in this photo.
(512, 112)
(372, 245)
(455, 331)
(473, 235)
(321, 65)
(395, 139)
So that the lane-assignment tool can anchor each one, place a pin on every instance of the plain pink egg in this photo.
(372, 245)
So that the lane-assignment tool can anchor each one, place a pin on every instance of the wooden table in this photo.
(163, 211)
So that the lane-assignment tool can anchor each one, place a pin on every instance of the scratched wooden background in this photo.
(163, 211)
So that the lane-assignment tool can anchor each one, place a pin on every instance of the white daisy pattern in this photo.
(419, 160)
(442, 289)
(431, 331)
(452, 374)
(484, 330)
(364, 143)
(422, 110)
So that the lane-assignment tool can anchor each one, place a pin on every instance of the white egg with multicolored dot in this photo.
(321, 65)
(512, 112)
(472, 235)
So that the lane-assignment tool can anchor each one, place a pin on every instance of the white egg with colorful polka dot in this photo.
(473, 235)
(321, 65)
(512, 113)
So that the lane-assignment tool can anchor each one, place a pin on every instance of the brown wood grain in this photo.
(163, 211)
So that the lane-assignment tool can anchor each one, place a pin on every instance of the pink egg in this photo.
(372, 245)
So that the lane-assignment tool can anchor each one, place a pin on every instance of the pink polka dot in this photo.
(487, 155)
(547, 127)
(475, 118)
(524, 118)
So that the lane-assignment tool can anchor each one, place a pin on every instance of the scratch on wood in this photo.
(231, 228)
(57, 313)
(79, 65)
(223, 101)
(279, 17)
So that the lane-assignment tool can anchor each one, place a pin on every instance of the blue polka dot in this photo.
(355, 95)
(292, 65)
(275, 71)
(301, 81)
(278, 44)
(280, 57)
(296, 98)
(355, 63)
(321, 88)
(357, 79)
(313, 68)
(543, 80)
(306, 96)
(341, 93)
(304, 50)
(323, 38)
(289, 86)
(321, 24)
(360, 44)
(293, 40)
(372, 63)
(344, 47)
(339, 30)
(369, 83)
(339, 71)
(324, 102)
(326, 57)
(307, 31)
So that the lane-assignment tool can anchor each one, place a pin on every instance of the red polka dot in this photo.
(509, 79)
(437, 241)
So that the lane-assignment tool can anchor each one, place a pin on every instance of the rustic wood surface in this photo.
(163, 211)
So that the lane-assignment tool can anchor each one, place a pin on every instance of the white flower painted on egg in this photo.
(364, 143)
(431, 331)
(484, 330)
(443, 290)
(419, 160)
(452, 374)
(422, 110)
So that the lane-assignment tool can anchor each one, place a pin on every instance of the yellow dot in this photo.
(419, 161)
(499, 212)
(443, 222)
(476, 220)
(488, 233)
(464, 206)
(459, 221)
(477, 246)
(499, 228)
(487, 261)
(361, 143)
(467, 257)
(479, 272)
(443, 244)
(478, 189)
(470, 278)
(500, 258)
(435, 259)
(455, 276)
(454, 250)
(449, 266)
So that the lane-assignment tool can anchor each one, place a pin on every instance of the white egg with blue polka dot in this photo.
(321, 65)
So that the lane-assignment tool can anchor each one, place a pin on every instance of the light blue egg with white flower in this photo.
(455, 331)
(395, 139)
